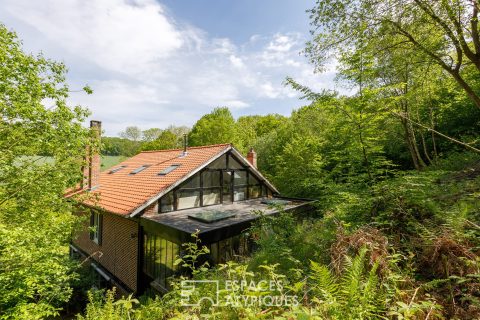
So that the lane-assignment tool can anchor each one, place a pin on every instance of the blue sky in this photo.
(155, 63)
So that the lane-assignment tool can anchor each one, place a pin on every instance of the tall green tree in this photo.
(215, 127)
(252, 128)
(443, 32)
(132, 133)
(166, 140)
(151, 134)
(36, 221)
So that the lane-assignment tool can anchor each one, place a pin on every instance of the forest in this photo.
(395, 167)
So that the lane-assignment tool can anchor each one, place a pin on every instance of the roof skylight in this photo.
(169, 169)
(116, 169)
(140, 169)
(211, 215)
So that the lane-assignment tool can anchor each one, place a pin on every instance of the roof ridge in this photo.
(189, 148)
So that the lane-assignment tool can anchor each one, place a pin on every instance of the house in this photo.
(143, 209)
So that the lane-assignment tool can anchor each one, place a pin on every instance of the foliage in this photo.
(386, 242)
(132, 133)
(165, 140)
(106, 307)
(151, 134)
(436, 30)
(114, 146)
(35, 220)
(213, 128)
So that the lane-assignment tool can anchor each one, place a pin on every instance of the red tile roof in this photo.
(122, 192)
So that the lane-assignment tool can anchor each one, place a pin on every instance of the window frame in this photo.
(233, 186)
(96, 227)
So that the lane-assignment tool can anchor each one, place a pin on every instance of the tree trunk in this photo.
(415, 146)
(471, 94)
(409, 144)
(410, 140)
(434, 143)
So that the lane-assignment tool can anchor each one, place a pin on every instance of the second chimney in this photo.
(252, 157)
(185, 145)
(92, 172)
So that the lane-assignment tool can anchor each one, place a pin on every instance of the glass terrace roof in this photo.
(210, 216)
(275, 201)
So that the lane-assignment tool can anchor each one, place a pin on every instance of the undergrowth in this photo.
(406, 248)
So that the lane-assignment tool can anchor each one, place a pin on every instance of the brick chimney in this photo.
(91, 171)
(252, 157)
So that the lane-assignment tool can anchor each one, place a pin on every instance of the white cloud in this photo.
(236, 61)
(147, 69)
(281, 43)
(122, 36)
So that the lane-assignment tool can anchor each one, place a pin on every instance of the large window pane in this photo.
(166, 202)
(269, 193)
(160, 276)
(211, 196)
(255, 191)
(220, 163)
(252, 180)
(211, 179)
(234, 164)
(227, 179)
(240, 178)
(239, 193)
(188, 199)
(193, 182)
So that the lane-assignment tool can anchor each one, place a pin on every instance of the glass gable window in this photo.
(211, 178)
(211, 197)
(193, 182)
(234, 164)
(220, 163)
(240, 178)
(188, 199)
(166, 202)
(223, 181)
(255, 188)
(239, 193)
(256, 192)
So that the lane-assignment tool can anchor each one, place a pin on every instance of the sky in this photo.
(154, 63)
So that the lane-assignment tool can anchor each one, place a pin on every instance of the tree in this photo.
(179, 131)
(252, 128)
(215, 127)
(443, 32)
(36, 221)
(132, 133)
(151, 134)
(166, 140)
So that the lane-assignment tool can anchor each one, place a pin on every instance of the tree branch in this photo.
(436, 132)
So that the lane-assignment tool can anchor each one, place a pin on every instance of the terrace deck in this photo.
(244, 212)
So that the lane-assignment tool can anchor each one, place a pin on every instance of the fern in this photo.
(358, 294)
(325, 283)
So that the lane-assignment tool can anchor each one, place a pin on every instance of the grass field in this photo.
(110, 161)
(107, 161)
